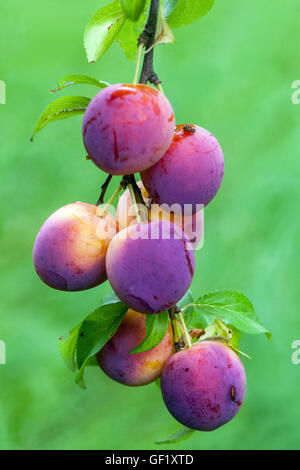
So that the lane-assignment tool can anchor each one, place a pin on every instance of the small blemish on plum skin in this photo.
(233, 396)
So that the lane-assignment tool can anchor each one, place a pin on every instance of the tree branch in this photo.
(147, 38)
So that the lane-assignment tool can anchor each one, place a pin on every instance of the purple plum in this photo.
(139, 368)
(204, 386)
(190, 172)
(149, 266)
(70, 248)
(127, 128)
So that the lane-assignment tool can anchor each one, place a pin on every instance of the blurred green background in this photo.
(230, 72)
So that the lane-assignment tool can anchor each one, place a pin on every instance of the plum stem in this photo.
(147, 39)
(103, 190)
(176, 338)
(160, 88)
(138, 63)
(137, 214)
(111, 200)
(185, 330)
(137, 200)
(137, 191)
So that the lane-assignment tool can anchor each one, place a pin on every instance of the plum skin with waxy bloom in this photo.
(190, 172)
(70, 247)
(204, 386)
(134, 369)
(127, 128)
(149, 266)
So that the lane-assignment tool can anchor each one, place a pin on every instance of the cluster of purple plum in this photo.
(149, 263)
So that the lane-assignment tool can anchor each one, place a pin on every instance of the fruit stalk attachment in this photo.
(176, 338)
(187, 338)
(111, 200)
(103, 190)
(140, 207)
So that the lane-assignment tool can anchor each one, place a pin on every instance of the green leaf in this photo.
(232, 307)
(90, 335)
(184, 12)
(133, 8)
(129, 34)
(169, 6)
(80, 375)
(68, 80)
(188, 313)
(156, 327)
(188, 298)
(90, 361)
(67, 348)
(181, 435)
(62, 108)
(102, 29)
(94, 332)
(97, 329)
(110, 298)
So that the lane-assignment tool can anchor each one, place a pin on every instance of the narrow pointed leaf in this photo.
(62, 108)
(73, 79)
(89, 362)
(181, 435)
(80, 375)
(67, 348)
